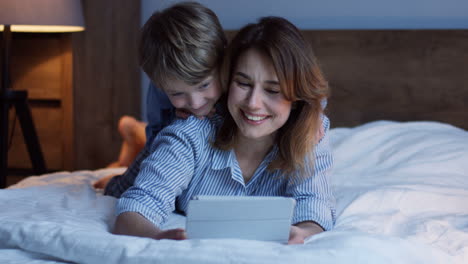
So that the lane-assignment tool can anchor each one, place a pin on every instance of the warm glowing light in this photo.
(41, 28)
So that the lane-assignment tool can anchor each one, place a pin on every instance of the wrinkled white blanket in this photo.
(401, 188)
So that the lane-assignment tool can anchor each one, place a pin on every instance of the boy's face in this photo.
(197, 99)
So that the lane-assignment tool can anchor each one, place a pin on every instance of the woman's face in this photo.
(255, 100)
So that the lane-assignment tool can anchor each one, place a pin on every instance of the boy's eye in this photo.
(204, 86)
(176, 94)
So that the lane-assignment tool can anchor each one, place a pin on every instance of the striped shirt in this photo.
(183, 164)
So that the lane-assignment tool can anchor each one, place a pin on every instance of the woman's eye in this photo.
(270, 91)
(243, 84)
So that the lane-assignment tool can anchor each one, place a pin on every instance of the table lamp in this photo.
(29, 16)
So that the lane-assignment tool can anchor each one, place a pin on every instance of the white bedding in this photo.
(402, 197)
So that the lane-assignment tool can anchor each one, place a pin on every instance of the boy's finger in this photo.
(211, 113)
(182, 114)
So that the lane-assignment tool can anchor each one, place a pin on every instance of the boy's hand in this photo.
(320, 132)
(301, 231)
(181, 113)
(184, 114)
(212, 112)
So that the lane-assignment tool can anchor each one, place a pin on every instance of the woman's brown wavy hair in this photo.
(301, 82)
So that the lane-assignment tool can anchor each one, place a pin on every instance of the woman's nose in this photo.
(254, 99)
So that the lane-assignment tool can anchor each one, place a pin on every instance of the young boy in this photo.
(180, 50)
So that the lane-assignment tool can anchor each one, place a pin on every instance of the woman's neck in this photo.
(253, 148)
(250, 153)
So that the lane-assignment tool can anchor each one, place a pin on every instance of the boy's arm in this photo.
(164, 175)
(134, 224)
(159, 111)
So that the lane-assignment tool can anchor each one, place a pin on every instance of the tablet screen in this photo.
(241, 217)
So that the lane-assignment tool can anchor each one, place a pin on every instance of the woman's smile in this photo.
(255, 100)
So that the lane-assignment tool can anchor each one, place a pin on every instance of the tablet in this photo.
(241, 217)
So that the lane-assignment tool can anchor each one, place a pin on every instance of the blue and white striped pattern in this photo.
(183, 164)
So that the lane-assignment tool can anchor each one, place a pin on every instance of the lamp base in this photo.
(19, 100)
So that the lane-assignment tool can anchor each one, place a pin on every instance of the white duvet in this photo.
(402, 197)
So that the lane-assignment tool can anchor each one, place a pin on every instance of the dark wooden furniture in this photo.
(79, 85)
(106, 79)
(401, 75)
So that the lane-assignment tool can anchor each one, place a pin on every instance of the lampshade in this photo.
(42, 15)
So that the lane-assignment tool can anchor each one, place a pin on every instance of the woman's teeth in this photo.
(254, 118)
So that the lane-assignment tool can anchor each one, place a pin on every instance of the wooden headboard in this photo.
(402, 75)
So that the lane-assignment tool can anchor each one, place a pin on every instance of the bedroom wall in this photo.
(105, 71)
(410, 46)
(336, 14)
(79, 85)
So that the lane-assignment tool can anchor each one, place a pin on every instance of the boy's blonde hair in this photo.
(183, 42)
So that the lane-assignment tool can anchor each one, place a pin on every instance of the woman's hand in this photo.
(303, 230)
(174, 234)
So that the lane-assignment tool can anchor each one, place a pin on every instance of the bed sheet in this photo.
(401, 189)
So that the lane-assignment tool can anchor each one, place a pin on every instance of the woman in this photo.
(265, 145)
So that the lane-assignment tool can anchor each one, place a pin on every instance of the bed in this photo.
(401, 189)
(401, 186)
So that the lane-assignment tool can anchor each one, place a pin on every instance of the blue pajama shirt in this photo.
(182, 163)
